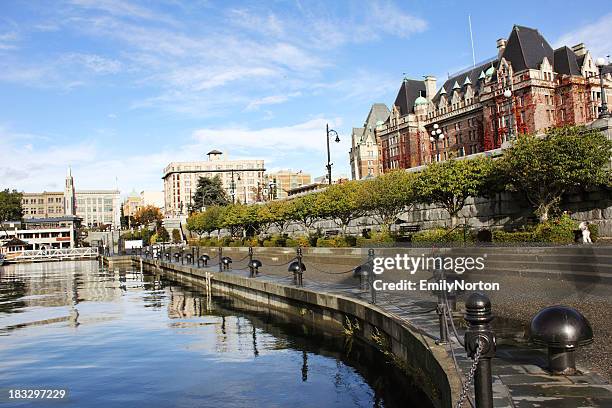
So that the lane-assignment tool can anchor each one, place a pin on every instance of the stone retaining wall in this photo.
(506, 210)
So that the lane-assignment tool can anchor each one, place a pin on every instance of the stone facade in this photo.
(548, 88)
(364, 150)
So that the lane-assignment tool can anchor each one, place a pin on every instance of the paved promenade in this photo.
(519, 378)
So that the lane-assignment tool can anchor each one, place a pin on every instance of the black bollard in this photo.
(562, 329)
(300, 280)
(371, 275)
(297, 268)
(251, 268)
(220, 252)
(480, 335)
(440, 278)
(192, 254)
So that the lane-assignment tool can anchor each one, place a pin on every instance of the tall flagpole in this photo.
(472, 41)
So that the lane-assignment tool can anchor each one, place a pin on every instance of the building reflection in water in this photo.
(37, 294)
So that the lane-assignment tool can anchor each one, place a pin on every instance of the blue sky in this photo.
(118, 89)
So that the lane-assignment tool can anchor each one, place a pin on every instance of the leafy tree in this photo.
(389, 195)
(234, 218)
(206, 221)
(209, 192)
(10, 205)
(147, 215)
(451, 182)
(544, 168)
(277, 213)
(342, 203)
(176, 236)
(305, 211)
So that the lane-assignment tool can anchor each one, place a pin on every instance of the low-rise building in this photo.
(276, 185)
(44, 233)
(152, 197)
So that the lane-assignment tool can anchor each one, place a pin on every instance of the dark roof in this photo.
(472, 73)
(50, 219)
(214, 152)
(526, 48)
(580, 60)
(565, 62)
(409, 91)
(15, 242)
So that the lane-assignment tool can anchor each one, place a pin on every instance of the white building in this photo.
(98, 207)
(44, 233)
(151, 197)
(242, 179)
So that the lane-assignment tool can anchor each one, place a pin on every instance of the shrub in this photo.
(441, 235)
(275, 241)
(298, 241)
(559, 231)
(376, 239)
(515, 236)
(340, 241)
(594, 229)
(176, 236)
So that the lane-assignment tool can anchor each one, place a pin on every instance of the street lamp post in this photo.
(329, 163)
(233, 185)
(508, 96)
(603, 112)
(436, 134)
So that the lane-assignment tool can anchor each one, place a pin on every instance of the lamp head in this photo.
(600, 62)
(507, 93)
(436, 126)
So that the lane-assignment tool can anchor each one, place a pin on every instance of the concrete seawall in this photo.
(417, 355)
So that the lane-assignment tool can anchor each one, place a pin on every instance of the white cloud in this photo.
(122, 8)
(309, 135)
(394, 21)
(8, 40)
(95, 63)
(595, 35)
(271, 100)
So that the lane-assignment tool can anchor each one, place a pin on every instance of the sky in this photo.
(117, 89)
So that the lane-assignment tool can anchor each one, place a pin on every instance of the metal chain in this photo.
(470, 376)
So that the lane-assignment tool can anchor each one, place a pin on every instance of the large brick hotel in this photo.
(547, 87)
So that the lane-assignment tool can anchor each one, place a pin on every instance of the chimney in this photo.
(430, 86)
(501, 46)
(579, 49)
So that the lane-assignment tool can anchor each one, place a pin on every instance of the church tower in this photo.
(69, 195)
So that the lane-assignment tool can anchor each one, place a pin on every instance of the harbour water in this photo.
(130, 339)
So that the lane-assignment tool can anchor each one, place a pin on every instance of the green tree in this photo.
(305, 211)
(10, 205)
(206, 221)
(162, 234)
(544, 168)
(209, 192)
(342, 203)
(176, 236)
(451, 182)
(276, 213)
(147, 215)
(389, 195)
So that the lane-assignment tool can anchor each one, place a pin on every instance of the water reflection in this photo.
(125, 338)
